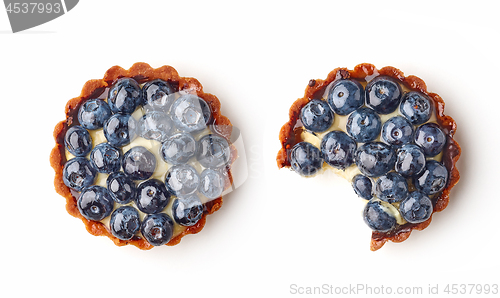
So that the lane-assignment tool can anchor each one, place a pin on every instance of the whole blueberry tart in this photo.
(143, 156)
(384, 133)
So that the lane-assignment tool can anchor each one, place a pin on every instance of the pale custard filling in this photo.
(339, 123)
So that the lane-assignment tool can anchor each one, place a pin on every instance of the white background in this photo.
(278, 229)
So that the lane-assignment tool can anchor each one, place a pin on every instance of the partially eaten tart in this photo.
(143, 156)
(383, 132)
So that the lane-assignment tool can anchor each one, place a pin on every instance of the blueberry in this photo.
(206, 111)
(211, 184)
(316, 115)
(362, 186)
(182, 180)
(78, 141)
(121, 187)
(138, 163)
(383, 94)
(187, 211)
(345, 96)
(78, 173)
(106, 158)
(124, 96)
(410, 160)
(157, 229)
(397, 131)
(433, 178)
(178, 149)
(224, 172)
(158, 95)
(416, 107)
(187, 113)
(305, 159)
(431, 138)
(391, 188)
(377, 217)
(363, 125)
(375, 159)
(93, 113)
(95, 203)
(213, 151)
(124, 222)
(416, 208)
(155, 126)
(338, 149)
(152, 196)
(120, 130)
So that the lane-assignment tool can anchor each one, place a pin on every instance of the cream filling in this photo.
(159, 173)
(339, 123)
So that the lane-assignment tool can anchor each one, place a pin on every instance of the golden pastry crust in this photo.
(290, 134)
(142, 73)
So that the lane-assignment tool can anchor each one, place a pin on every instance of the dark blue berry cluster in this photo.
(170, 118)
(394, 155)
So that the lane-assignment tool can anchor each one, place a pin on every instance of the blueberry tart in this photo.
(384, 133)
(143, 156)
